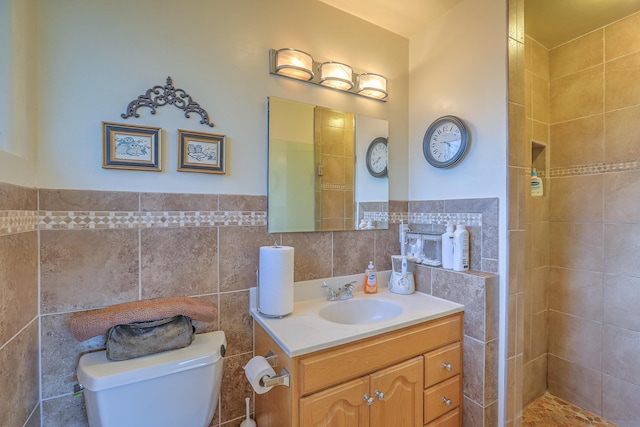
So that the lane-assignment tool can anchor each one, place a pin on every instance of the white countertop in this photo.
(304, 331)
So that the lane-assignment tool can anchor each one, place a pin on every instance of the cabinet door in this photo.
(401, 402)
(339, 406)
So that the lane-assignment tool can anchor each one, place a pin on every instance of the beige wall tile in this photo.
(586, 133)
(539, 99)
(539, 132)
(535, 379)
(14, 197)
(352, 251)
(239, 256)
(577, 55)
(528, 84)
(235, 388)
(539, 63)
(517, 259)
(516, 71)
(622, 249)
(621, 301)
(576, 292)
(622, 80)
(512, 329)
(85, 269)
(621, 358)
(620, 401)
(312, 254)
(18, 282)
(150, 202)
(621, 193)
(575, 339)
(536, 290)
(473, 366)
(622, 135)
(576, 384)
(538, 237)
(61, 354)
(68, 411)
(577, 246)
(622, 37)
(236, 322)
(386, 244)
(239, 202)
(19, 393)
(577, 199)
(490, 375)
(87, 200)
(178, 261)
(577, 95)
(517, 144)
(539, 334)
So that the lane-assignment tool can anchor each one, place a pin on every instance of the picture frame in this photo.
(201, 152)
(131, 147)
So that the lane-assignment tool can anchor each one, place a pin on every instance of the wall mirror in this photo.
(318, 175)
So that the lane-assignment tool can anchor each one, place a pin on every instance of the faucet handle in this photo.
(348, 289)
(330, 292)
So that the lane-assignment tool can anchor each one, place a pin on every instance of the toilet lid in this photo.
(96, 372)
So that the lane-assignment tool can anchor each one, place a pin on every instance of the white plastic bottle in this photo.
(536, 184)
(447, 247)
(461, 248)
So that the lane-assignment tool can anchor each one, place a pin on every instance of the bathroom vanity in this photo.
(401, 371)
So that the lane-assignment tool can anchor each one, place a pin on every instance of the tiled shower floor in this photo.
(549, 410)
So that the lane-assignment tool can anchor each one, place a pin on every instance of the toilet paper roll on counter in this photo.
(275, 281)
(257, 368)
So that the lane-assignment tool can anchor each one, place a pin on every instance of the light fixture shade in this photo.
(336, 75)
(372, 85)
(294, 63)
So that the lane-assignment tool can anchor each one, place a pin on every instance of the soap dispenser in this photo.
(536, 184)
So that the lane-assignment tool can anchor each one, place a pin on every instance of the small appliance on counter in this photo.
(401, 281)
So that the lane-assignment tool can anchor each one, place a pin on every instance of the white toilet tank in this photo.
(169, 389)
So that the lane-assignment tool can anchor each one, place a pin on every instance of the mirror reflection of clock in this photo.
(378, 158)
(445, 142)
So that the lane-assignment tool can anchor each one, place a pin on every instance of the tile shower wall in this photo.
(594, 333)
(19, 395)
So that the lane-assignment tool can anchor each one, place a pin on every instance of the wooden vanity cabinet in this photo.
(337, 386)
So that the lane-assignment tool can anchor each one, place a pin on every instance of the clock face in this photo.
(445, 142)
(377, 158)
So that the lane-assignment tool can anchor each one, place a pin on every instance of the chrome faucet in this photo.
(338, 293)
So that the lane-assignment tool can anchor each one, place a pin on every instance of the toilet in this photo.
(174, 388)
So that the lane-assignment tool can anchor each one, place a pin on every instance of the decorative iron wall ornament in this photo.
(158, 96)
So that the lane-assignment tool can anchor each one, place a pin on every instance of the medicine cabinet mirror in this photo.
(318, 178)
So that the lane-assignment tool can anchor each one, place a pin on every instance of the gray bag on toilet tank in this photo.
(143, 338)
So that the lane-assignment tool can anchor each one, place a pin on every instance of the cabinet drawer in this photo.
(336, 365)
(442, 364)
(450, 419)
(437, 397)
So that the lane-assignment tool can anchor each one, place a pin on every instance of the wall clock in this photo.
(378, 158)
(446, 142)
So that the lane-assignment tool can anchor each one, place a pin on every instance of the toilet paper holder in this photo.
(283, 378)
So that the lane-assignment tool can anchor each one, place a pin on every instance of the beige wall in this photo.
(594, 287)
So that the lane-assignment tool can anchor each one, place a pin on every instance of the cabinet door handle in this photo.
(379, 394)
(446, 401)
(368, 399)
(447, 366)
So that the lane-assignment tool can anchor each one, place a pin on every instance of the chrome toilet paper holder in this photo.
(283, 378)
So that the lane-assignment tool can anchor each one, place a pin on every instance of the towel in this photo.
(88, 324)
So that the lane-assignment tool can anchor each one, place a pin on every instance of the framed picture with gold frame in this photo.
(131, 147)
(201, 152)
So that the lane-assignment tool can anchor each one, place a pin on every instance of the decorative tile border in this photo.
(595, 168)
(22, 221)
(50, 220)
(18, 221)
(471, 219)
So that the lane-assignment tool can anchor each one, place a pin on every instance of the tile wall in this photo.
(96, 248)
(594, 291)
(519, 165)
(536, 268)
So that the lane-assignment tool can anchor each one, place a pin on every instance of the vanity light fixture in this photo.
(372, 85)
(336, 75)
(294, 63)
(299, 65)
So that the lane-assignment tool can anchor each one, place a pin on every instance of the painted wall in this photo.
(18, 106)
(96, 57)
(458, 66)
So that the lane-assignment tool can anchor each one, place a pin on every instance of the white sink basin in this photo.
(360, 311)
